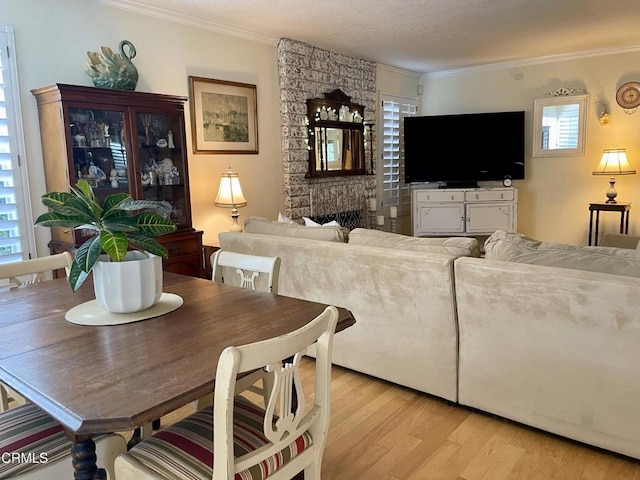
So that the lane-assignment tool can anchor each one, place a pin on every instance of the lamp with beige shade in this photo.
(614, 162)
(230, 196)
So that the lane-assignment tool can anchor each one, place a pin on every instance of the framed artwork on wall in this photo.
(224, 116)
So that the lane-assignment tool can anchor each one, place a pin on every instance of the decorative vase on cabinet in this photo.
(126, 134)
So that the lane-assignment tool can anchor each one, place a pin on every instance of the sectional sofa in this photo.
(403, 300)
(544, 334)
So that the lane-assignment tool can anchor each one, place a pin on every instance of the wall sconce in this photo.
(614, 162)
(604, 117)
(230, 196)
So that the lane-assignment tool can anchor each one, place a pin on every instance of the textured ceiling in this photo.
(418, 35)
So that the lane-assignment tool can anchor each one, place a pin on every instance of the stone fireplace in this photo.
(306, 72)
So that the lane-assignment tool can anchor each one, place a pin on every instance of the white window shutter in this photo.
(16, 230)
(391, 187)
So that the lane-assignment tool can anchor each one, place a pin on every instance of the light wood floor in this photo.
(380, 431)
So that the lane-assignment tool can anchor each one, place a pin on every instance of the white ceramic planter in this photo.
(129, 286)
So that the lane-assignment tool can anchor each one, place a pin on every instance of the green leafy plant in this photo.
(120, 223)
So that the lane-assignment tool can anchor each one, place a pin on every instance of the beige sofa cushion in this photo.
(620, 240)
(515, 247)
(271, 227)
(459, 246)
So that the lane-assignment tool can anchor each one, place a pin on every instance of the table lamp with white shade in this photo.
(614, 162)
(230, 196)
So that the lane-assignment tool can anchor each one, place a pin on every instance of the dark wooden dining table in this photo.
(100, 379)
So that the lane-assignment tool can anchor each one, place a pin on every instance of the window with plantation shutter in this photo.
(560, 126)
(16, 231)
(391, 187)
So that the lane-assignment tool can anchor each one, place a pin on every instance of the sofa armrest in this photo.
(619, 240)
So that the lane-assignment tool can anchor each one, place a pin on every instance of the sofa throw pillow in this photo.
(516, 247)
(458, 246)
(284, 219)
(345, 231)
(310, 223)
(272, 227)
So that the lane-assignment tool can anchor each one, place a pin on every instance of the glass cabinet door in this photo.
(99, 151)
(161, 159)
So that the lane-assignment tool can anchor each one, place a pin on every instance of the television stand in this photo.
(462, 211)
(459, 184)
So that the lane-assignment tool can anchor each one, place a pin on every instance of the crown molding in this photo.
(533, 61)
(401, 71)
(186, 19)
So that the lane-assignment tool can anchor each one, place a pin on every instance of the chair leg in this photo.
(312, 472)
(267, 387)
(143, 432)
(4, 399)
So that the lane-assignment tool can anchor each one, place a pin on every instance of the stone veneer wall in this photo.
(308, 72)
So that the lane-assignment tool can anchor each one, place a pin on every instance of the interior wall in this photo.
(52, 40)
(554, 197)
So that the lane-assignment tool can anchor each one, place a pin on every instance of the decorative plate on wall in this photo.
(628, 95)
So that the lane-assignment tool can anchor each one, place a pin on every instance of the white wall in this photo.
(554, 197)
(52, 38)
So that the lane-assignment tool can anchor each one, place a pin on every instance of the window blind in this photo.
(16, 237)
(391, 187)
(560, 127)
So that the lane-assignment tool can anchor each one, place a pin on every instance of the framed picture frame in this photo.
(224, 116)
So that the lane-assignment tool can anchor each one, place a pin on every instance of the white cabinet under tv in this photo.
(462, 211)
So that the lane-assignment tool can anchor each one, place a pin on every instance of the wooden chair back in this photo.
(279, 448)
(287, 400)
(16, 274)
(32, 271)
(248, 268)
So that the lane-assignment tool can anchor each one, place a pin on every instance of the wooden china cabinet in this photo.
(120, 141)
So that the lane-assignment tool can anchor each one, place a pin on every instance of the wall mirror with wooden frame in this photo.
(335, 136)
(559, 123)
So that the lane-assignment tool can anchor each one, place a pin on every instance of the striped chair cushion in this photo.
(184, 450)
(29, 438)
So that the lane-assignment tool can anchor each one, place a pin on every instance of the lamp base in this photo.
(235, 226)
(612, 193)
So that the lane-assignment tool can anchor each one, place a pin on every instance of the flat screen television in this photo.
(463, 149)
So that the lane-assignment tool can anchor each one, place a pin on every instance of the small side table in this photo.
(623, 208)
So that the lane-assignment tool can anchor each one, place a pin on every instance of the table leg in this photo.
(83, 458)
(626, 224)
(595, 240)
(622, 222)
(590, 226)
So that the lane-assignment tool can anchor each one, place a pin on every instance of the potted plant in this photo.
(124, 231)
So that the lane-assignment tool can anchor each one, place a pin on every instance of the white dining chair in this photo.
(35, 447)
(249, 271)
(256, 273)
(26, 272)
(17, 274)
(278, 442)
